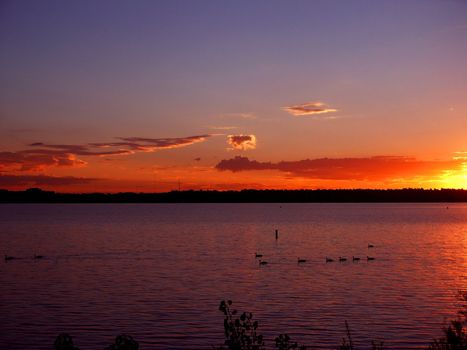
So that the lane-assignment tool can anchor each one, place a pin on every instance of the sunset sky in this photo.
(143, 95)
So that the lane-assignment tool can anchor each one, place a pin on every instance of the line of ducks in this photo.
(328, 260)
(9, 257)
(354, 259)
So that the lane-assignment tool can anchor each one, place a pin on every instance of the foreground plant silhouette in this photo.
(123, 342)
(455, 334)
(283, 342)
(241, 333)
(347, 343)
(64, 341)
(454, 338)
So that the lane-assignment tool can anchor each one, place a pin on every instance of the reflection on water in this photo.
(158, 272)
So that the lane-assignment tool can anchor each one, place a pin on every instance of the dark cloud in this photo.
(80, 150)
(42, 180)
(372, 168)
(242, 142)
(42, 155)
(150, 145)
(242, 164)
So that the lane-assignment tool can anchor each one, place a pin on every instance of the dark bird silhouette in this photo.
(368, 258)
(355, 259)
(370, 245)
(341, 258)
(329, 260)
(38, 256)
(261, 262)
(8, 258)
(301, 260)
(258, 255)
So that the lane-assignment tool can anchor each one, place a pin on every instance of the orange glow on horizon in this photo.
(119, 176)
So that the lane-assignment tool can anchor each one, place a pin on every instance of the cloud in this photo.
(461, 155)
(244, 115)
(165, 143)
(223, 127)
(81, 150)
(308, 108)
(42, 155)
(141, 144)
(242, 142)
(370, 169)
(37, 161)
(42, 180)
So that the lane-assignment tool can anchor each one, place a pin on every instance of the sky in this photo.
(152, 96)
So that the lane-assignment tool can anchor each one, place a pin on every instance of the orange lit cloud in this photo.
(462, 155)
(361, 169)
(31, 160)
(242, 142)
(308, 108)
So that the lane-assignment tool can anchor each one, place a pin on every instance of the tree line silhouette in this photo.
(408, 195)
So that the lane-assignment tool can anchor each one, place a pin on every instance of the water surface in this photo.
(158, 272)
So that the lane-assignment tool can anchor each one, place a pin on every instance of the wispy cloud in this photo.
(461, 155)
(42, 155)
(151, 144)
(43, 180)
(242, 142)
(371, 169)
(81, 150)
(241, 115)
(223, 127)
(308, 109)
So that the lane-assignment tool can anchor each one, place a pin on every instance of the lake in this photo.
(159, 271)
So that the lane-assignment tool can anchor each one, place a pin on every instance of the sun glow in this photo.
(457, 178)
